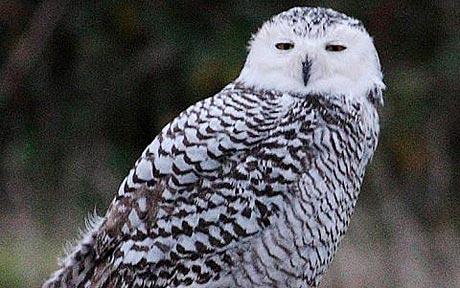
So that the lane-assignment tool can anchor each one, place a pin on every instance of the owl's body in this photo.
(253, 187)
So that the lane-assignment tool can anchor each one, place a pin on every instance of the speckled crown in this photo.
(314, 21)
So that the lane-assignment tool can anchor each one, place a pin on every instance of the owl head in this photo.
(313, 50)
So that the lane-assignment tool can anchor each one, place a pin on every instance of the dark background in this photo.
(86, 85)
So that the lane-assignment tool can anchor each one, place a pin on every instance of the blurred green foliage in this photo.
(86, 85)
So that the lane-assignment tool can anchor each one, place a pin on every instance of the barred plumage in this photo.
(253, 187)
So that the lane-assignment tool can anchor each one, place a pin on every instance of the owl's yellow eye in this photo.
(284, 46)
(335, 48)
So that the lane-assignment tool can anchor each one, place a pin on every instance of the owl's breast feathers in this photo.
(231, 171)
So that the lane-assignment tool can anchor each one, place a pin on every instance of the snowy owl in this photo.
(254, 186)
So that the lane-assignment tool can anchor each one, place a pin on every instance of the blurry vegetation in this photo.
(86, 85)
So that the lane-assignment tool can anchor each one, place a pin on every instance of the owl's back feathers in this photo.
(249, 188)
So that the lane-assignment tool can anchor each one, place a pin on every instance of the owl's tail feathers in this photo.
(78, 266)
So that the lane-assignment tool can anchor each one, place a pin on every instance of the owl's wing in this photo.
(194, 191)
(211, 181)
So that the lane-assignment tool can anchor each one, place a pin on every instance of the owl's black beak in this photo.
(306, 66)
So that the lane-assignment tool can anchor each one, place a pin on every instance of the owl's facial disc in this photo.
(313, 50)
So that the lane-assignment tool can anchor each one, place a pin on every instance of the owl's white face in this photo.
(335, 58)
